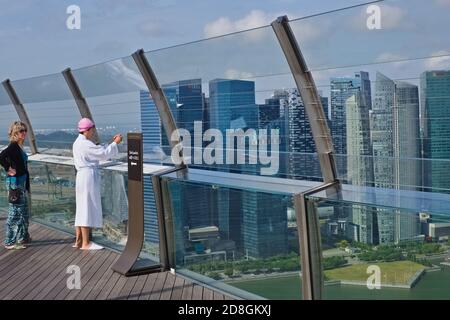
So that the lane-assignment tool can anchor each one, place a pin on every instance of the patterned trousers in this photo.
(18, 218)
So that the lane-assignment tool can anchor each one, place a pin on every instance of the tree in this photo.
(343, 244)
(229, 272)
(214, 275)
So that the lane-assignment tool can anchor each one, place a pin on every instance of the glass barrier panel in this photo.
(44, 88)
(55, 125)
(225, 83)
(375, 252)
(387, 115)
(113, 92)
(375, 33)
(51, 110)
(236, 239)
(108, 78)
(4, 98)
(53, 200)
(52, 189)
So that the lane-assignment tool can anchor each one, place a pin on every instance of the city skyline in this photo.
(377, 130)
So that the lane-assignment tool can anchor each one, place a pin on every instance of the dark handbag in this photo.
(14, 196)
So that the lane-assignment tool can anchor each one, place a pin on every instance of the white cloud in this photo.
(224, 25)
(219, 27)
(236, 74)
(150, 28)
(123, 73)
(388, 56)
(322, 78)
(440, 60)
(444, 3)
(393, 59)
(306, 31)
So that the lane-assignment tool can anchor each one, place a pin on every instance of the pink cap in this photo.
(85, 124)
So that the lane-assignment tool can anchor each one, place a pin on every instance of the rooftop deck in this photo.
(40, 272)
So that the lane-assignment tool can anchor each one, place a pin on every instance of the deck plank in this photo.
(148, 287)
(86, 276)
(48, 280)
(217, 296)
(197, 292)
(137, 289)
(41, 281)
(207, 294)
(187, 291)
(177, 289)
(125, 292)
(102, 282)
(159, 286)
(97, 277)
(166, 292)
(40, 272)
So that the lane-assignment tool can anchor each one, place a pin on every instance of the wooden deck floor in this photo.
(40, 272)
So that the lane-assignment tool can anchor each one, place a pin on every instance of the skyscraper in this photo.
(435, 104)
(187, 108)
(395, 133)
(300, 158)
(186, 103)
(230, 100)
(151, 132)
(256, 222)
(343, 88)
(381, 129)
(272, 117)
(231, 106)
(350, 105)
(185, 100)
(395, 136)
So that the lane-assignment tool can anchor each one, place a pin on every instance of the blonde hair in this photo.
(14, 130)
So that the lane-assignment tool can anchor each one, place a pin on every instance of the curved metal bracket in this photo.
(82, 105)
(159, 98)
(307, 219)
(310, 96)
(308, 228)
(23, 116)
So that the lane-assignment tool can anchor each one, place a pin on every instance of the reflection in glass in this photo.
(243, 238)
(374, 252)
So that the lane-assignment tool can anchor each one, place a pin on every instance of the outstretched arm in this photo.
(98, 152)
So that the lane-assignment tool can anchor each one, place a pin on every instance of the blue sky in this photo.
(34, 39)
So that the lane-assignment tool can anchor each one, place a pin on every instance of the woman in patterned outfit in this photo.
(14, 160)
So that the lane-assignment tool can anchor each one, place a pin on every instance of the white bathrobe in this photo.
(86, 156)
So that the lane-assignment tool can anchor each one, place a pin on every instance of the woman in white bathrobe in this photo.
(86, 156)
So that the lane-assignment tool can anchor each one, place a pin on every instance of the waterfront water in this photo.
(433, 285)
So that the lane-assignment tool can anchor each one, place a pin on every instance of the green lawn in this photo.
(398, 272)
